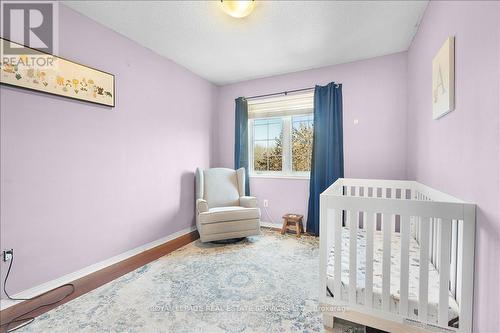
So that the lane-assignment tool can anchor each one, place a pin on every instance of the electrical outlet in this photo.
(265, 202)
(7, 254)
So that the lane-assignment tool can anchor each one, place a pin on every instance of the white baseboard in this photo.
(270, 225)
(273, 225)
(37, 290)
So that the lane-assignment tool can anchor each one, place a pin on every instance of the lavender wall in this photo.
(81, 183)
(374, 92)
(459, 153)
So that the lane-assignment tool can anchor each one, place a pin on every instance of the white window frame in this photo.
(287, 172)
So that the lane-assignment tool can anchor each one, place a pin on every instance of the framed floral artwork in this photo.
(51, 74)
(443, 79)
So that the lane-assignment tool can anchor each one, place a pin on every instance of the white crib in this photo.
(404, 253)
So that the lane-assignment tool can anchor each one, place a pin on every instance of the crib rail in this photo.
(443, 226)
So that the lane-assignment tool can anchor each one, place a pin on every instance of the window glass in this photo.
(267, 144)
(281, 135)
(302, 141)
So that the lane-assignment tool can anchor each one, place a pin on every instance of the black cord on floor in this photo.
(28, 320)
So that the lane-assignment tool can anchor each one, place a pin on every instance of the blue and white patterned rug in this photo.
(267, 283)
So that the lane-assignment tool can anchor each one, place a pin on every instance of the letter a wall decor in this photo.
(443, 79)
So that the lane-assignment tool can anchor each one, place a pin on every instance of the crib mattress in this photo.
(433, 297)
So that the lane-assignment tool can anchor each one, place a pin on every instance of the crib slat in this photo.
(412, 226)
(466, 254)
(330, 216)
(423, 288)
(431, 240)
(433, 246)
(370, 225)
(324, 250)
(444, 271)
(337, 243)
(438, 247)
(386, 261)
(405, 256)
(460, 246)
(353, 233)
(454, 265)
(418, 219)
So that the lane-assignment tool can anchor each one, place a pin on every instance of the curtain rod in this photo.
(280, 93)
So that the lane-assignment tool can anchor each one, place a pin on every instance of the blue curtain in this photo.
(327, 163)
(241, 139)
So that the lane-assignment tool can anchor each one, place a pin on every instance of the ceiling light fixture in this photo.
(238, 8)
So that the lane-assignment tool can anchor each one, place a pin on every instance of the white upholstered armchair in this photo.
(222, 209)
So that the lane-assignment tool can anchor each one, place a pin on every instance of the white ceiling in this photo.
(278, 37)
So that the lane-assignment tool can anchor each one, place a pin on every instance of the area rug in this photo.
(266, 283)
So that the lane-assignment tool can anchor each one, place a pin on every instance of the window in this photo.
(280, 135)
(268, 144)
(302, 141)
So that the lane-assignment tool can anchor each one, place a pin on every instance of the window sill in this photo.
(298, 177)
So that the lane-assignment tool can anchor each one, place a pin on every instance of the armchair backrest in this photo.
(220, 187)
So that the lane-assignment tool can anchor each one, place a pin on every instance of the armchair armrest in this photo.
(201, 206)
(248, 202)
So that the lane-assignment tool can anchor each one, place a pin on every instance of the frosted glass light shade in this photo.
(238, 8)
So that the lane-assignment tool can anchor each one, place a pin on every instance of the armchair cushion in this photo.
(231, 213)
(248, 202)
(220, 187)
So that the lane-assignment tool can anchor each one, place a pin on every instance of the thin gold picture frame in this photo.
(83, 86)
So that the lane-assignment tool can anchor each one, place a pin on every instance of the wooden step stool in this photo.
(292, 222)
